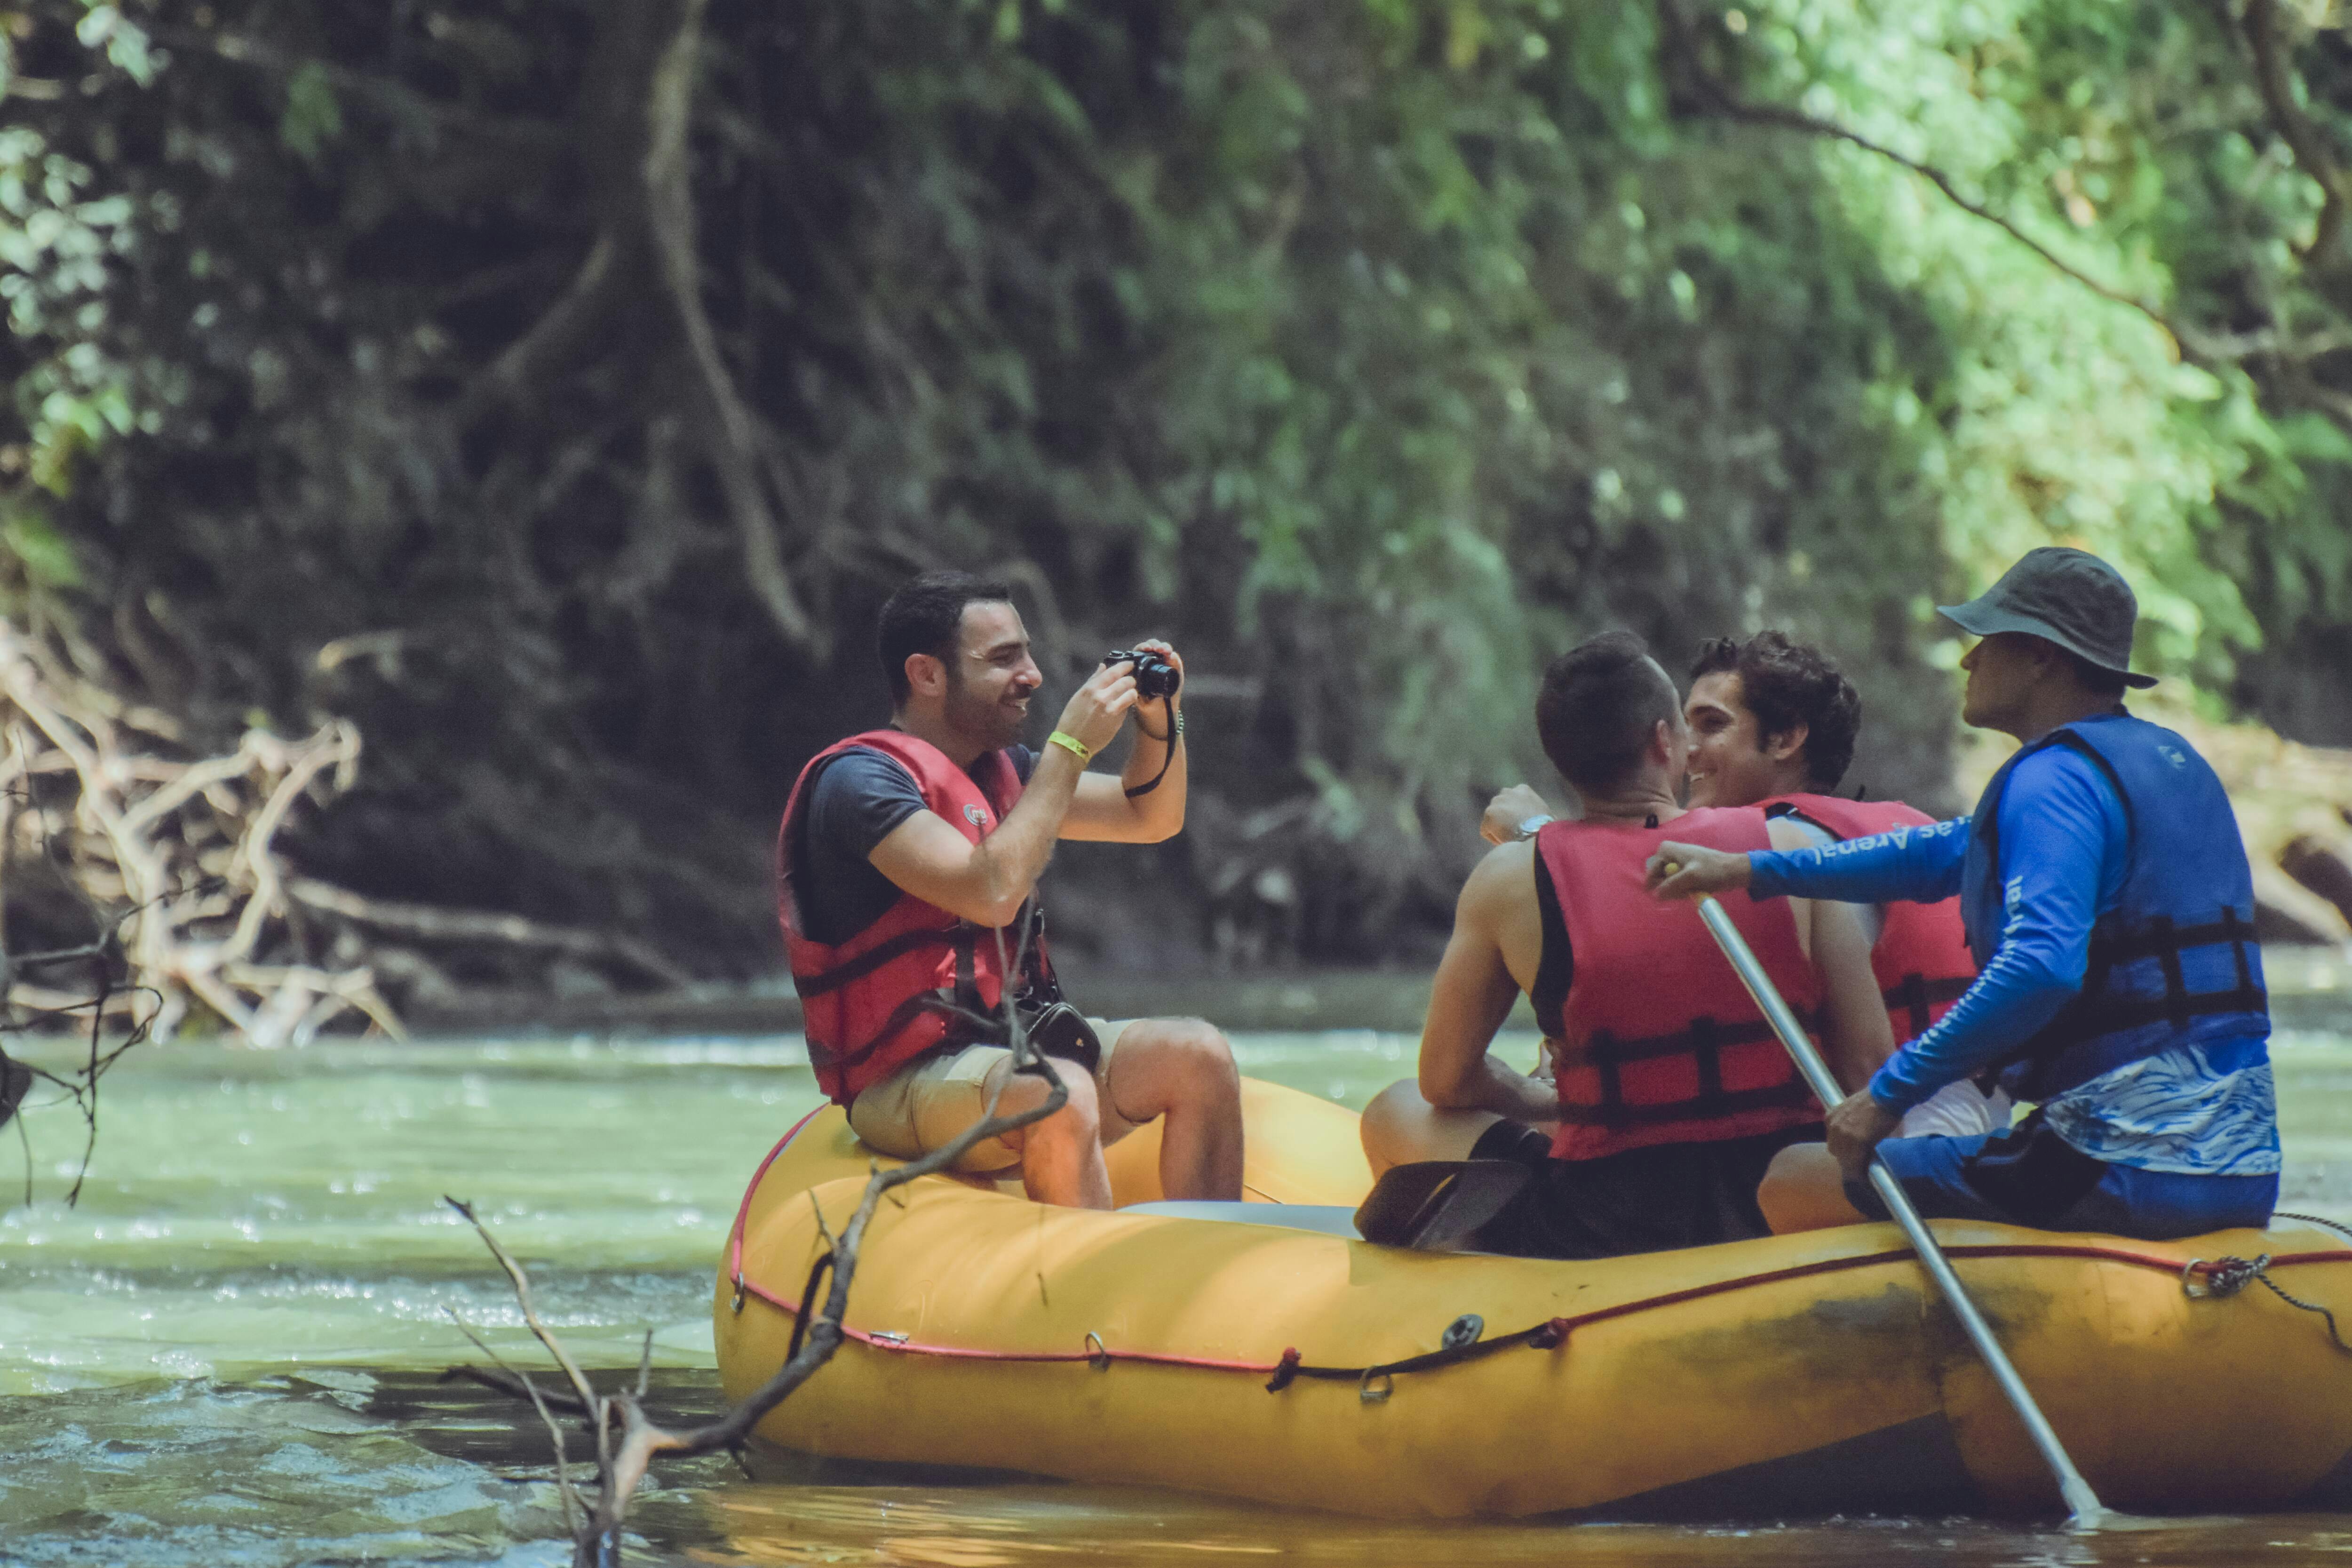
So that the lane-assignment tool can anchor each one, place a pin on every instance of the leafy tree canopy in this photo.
(554, 388)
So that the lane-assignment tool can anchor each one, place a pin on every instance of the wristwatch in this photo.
(1530, 826)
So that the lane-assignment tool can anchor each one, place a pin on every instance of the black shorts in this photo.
(1645, 1200)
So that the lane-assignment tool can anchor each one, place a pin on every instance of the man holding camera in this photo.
(907, 870)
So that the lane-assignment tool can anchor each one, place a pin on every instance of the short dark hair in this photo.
(1786, 683)
(2096, 679)
(926, 616)
(1600, 702)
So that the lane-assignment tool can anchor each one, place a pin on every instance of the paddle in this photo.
(2081, 1502)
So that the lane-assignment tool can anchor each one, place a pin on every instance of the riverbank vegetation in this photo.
(550, 392)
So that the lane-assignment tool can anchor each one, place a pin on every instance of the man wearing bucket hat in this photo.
(2109, 902)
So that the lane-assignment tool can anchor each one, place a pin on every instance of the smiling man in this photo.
(1667, 1096)
(2106, 895)
(1772, 724)
(908, 868)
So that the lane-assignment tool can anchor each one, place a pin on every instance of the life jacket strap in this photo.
(904, 1014)
(2165, 942)
(2097, 1012)
(1916, 997)
(1606, 1050)
(1704, 1040)
(866, 962)
(967, 980)
(1622, 1117)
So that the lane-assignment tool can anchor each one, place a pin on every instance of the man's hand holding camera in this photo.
(1097, 710)
(1150, 672)
(1146, 803)
(1158, 669)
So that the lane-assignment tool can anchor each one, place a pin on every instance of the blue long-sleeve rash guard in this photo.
(2064, 841)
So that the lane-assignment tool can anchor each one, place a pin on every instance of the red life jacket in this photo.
(1922, 958)
(873, 1003)
(1655, 1040)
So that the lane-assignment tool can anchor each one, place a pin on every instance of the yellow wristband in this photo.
(1071, 743)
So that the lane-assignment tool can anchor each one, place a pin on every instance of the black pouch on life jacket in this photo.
(1058, 1029)
(2031, 1173)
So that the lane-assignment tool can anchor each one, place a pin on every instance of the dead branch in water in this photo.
(628, 1441)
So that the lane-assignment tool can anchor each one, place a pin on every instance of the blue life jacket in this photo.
(2175, 962)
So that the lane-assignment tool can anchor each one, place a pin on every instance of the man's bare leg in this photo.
(1804, 1190)
(1401, 1128)
(1181, 1071)
(1061, 1157)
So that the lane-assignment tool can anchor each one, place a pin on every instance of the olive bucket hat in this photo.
(2069, 596)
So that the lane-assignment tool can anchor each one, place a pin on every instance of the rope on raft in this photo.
(2220, 1277)
(2225, 1276)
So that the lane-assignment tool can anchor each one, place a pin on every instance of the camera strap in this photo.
(1166, 758)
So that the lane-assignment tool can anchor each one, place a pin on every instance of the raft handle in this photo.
(2222, 1276)
(2228, 1275)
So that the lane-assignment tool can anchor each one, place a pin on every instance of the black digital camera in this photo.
(1155, 677)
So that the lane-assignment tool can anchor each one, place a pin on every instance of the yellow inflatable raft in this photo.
(1245, 1355)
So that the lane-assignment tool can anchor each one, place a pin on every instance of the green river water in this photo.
(228, 1353)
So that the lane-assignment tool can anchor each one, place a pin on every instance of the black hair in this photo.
(926, 615)
(1786, 683)
(1600, 703)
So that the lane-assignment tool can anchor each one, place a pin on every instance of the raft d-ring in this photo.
(739, 1294)
(1372, 1393)
(2190, 1285)
(1098, 1353)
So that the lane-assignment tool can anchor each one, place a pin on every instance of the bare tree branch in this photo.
(2259, 25)
(734, 441)
(635, 112)
(474, 925)
(629, 1441)
(1719, 99)
(513, 1379)
(176, 863)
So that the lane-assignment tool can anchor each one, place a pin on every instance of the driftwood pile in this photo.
(164, 873)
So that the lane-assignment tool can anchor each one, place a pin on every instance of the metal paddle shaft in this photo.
(2081, 1500)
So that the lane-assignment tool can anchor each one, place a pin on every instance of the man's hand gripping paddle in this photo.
(2081, 1503)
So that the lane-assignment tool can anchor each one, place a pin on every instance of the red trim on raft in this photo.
(735, 1232)
(885, 1342)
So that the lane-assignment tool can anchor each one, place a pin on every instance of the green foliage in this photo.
(313, 117)
(56, 241)
(1374, 350)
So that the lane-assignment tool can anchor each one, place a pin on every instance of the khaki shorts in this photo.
(925, 1104)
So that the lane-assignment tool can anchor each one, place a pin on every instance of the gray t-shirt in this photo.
(856, 801)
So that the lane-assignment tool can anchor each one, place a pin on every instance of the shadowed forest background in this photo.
(552, 389)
